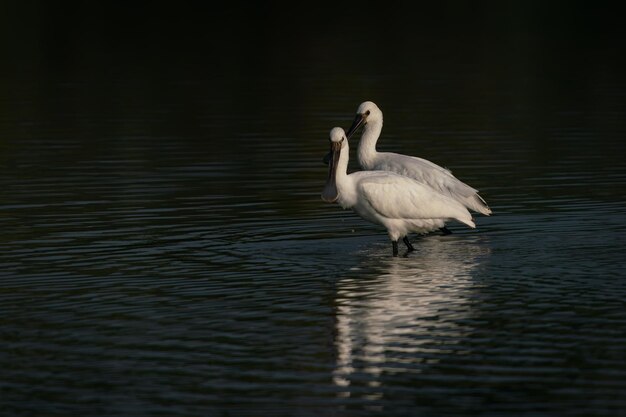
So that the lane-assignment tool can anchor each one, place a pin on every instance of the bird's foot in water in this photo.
(409, 247)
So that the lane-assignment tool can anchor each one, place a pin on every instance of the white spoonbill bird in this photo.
(440, 179)
(400, 204)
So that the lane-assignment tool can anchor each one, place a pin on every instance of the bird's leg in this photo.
(394, 244)
(445, 231)
(408, 244)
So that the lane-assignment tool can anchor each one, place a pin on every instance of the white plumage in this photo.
(422, 170)
(400, 204)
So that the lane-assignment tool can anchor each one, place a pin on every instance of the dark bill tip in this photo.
(330, 193)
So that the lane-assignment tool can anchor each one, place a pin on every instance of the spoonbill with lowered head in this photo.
(440, 179)
(400, 204)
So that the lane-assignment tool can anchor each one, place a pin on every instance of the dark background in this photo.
(163, 69)
(163, 246)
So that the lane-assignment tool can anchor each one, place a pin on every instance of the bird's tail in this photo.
(476, 203)
(463, 215)
(467, 220)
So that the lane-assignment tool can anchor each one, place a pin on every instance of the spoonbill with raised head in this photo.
(400, 204)
(438, 178)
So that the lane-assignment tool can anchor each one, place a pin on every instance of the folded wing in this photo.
(436, 177)
(397, 197)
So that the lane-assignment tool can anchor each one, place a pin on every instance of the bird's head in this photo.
(367, 112)
(337, 135)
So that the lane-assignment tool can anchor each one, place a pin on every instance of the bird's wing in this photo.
(436, 177)
(397, 197)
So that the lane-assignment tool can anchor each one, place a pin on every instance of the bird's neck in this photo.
(342, 165)
(367, 144)
(344, 183)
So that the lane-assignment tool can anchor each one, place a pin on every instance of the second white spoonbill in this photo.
(400, 204)
(370, 117)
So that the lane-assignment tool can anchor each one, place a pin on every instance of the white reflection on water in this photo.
(398, 315)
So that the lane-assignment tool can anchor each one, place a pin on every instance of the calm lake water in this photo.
(164, 249)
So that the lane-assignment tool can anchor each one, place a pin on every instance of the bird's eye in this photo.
(367, 113)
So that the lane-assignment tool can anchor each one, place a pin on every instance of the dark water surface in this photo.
(164, 250)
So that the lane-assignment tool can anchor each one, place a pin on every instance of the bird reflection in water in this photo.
(397, 315)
